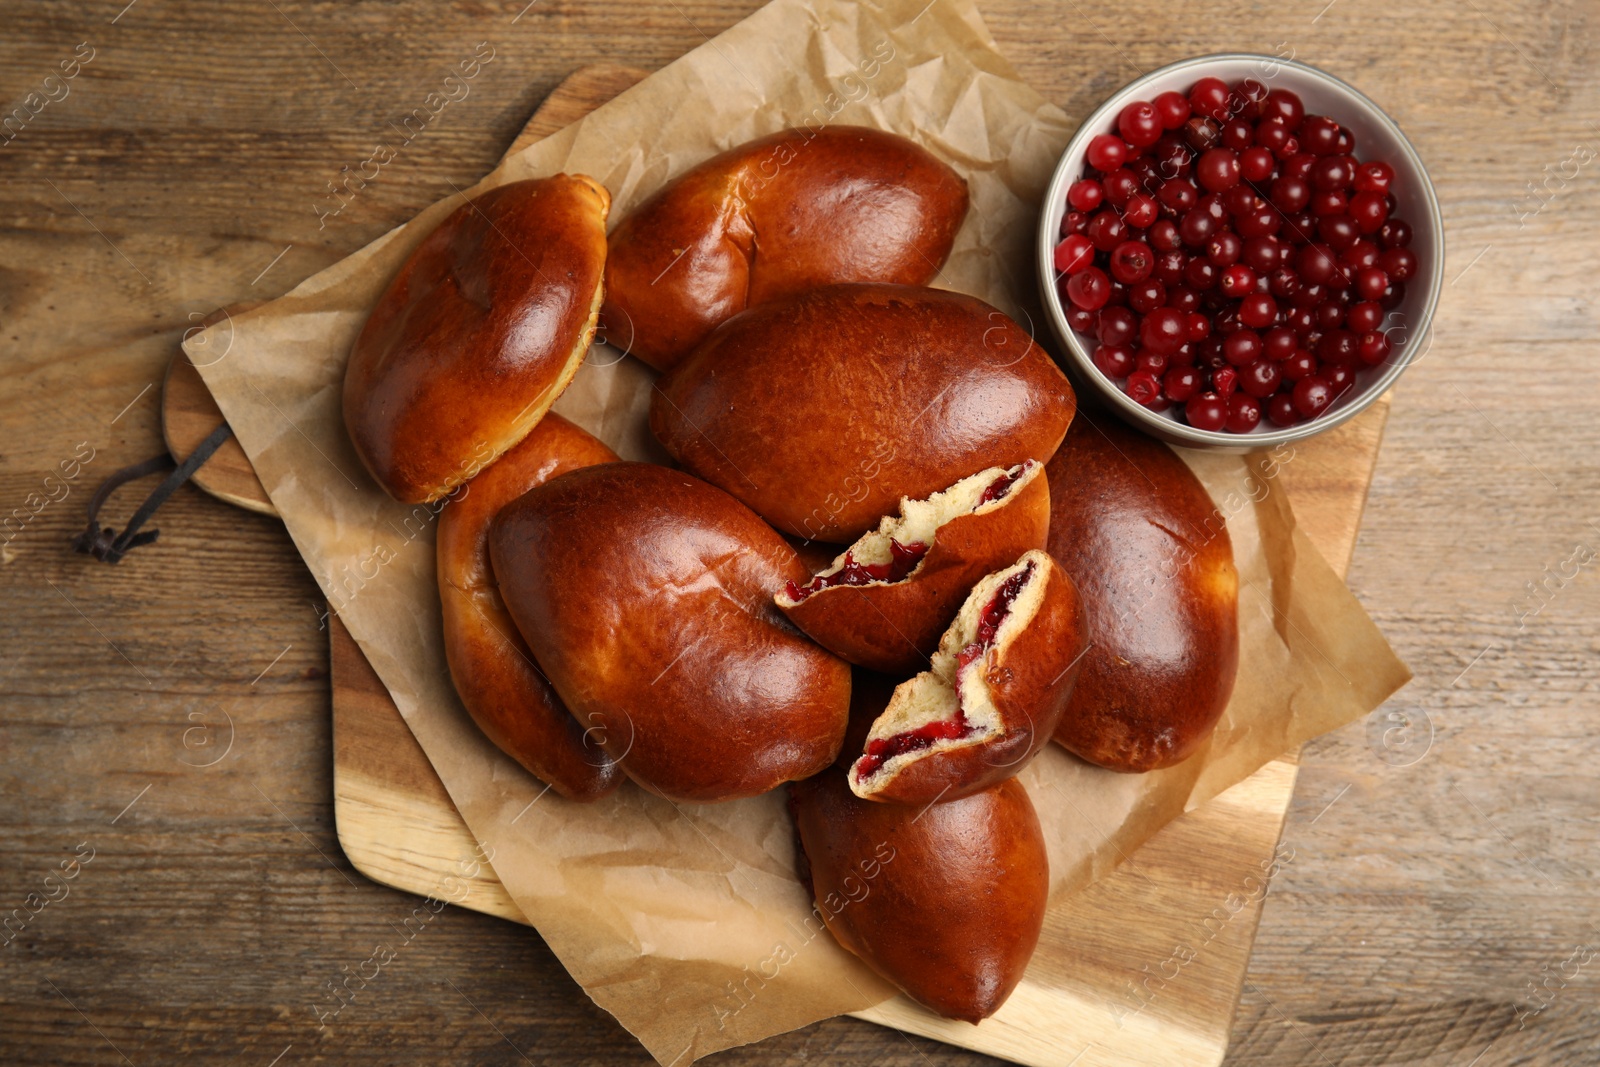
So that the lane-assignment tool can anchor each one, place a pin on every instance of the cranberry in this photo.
(1290, 148)
(1074, 254)
(1144, 387)
(1328, 315)
(1312, 396)
(1119, 186)
(1238, 280)
(1280, 409)
(1364, 316)
(1114, 361)
(1283, 106)
(1132, 261)
(1299, 166)
(1179, 194)
(1172, 108)
(1263, 220)
(1373, 347)
(1209, 97)
(1181, 383)
(1163, 330)
(1201, 133)
(1279, 343)
(1074, 222)
(1247, 97)
(1170, 267)
(1261, 254)
(1224, 381)
(1337, 231)
(1144, 297)
(1319, 135)
(1256, 164)
(1315, 263)
(1106, 152)
(1274, 136)
(1119, 295)
(1398, 263)
(1196, 326)
(1284, 283)
(1300, 227)
(1371, 283)
(1206, 411)
(1346, 142)
(1089, 288)
(1329, 202)
(1300, 365)
(1374, 177)
(1239, 200)
(1208, 353)
(1341, 377)
(1184, 356)
(1196, 227)
(1333, 172)
(1152, 363)
(1107, 231)
(1258, 311)
(1369, 211)
(1141, 211)
(1139, 124)
(1360, 255)
(1116, 326)
(1260, 379)
(1183, 298)
(1244, 413)
(1242, 347)
(1163, 236)
(1080, 319)
(1238, 135)
(1393, 296)
(1173, 158)
(1218, 169)
(1224, 249)
(1085, 195)
(1337, 346)
(1395, 234)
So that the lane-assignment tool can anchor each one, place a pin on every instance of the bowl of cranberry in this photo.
(1238, 251)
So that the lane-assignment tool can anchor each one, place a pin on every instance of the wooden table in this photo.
(169, 716)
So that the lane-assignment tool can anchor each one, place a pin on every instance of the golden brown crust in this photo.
(476, 336)
(646, 597)
(893, 627)
(1030, 675)
(1151, 554)
(946, 901)
(493, 670)
(776, 216)
(822, 410)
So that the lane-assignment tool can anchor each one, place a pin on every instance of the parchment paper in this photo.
(687, 923)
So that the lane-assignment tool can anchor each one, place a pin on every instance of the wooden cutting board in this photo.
(1109, 984)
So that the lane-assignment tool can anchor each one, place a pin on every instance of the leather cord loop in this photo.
(104, 543)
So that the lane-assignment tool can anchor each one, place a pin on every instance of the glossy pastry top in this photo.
(1151, 555)
(477, 334)
(646, 596)
(491, 665)
(822, 410)
(946, 901)
(775, 216)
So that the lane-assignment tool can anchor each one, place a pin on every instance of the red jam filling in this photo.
(1002, 485)
(994, 614)
(903, 559)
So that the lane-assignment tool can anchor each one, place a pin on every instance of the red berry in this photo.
(1079, 319)
(1173, 109)
(1163, 330)
(1244, 413)
(1398, 263)
(1280, 409)
(1139, 124)
(1374, 177)
(1256, 164)
(1224, 249)
(1144, 387)
(1369, 210)
(1274, 136)
(1218, 169)
(1181, 383)
(1206, 411)
(1371, 284)
(1312, 396)
(1242, 347)
(1341, 377)
(1196, 327)
(1170, 266)
(1336, 346)
(1395, 234)
(1144, 297)
(1224, 380)
(1290, 193)
(1279, 343)
(1200, 274)
(1283, 106)
(1107, 230)
(1089, 288)
(1106, 152)
(1184, 299)
(1260, 379)
(1074, 254)
(1209, 98)
(1141, 211)
(1319, 135)
(1373, 347)
(1114, 361)
(1337, 231)
(1119, 186)
(1163, 236)
(1085, 194)
(1074, 222)
(1364, 317)
(1132, 261)
(1315, 263)
(1116, 326)
(1258, 310)
(1238, 135)
(1238, 280)
(1300, 365)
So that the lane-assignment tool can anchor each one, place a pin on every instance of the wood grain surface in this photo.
(1442, 907)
